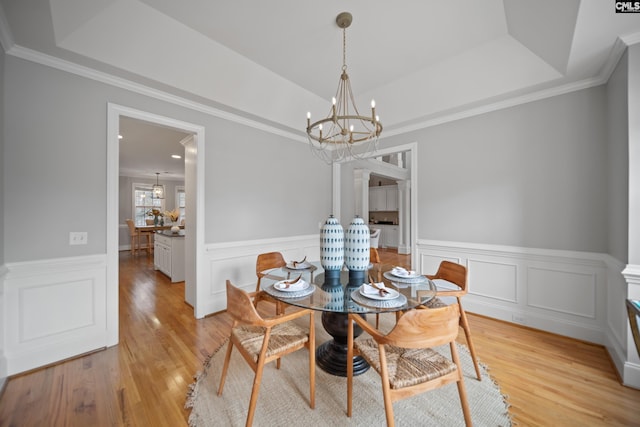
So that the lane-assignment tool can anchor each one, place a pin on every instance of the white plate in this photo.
(299, 266)
(391, 295)
(281, 286)
(405, 276)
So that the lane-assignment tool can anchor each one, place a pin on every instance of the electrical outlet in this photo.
(518, 318)
(78, 237)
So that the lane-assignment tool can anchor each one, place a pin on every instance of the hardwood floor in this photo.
(143, 381)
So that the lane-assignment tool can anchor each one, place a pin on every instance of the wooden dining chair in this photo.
(135, 235)
(267, 261)
(262, 340)
(451, 280)
(404, 358)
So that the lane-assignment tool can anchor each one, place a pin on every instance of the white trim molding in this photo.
(53, 309)
(236, 261)
(575, 294)
(629, 364)
(563, 292)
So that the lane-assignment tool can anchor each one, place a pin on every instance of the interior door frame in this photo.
(412, 148)
(114, 112)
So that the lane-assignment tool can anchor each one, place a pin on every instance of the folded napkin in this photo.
(368, 289)
(402, 272)
(297, 286)
(303, 264)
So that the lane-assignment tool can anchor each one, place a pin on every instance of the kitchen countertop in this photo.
(169, 233)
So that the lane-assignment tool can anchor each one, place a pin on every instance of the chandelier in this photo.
(157, 191)
(344, 134)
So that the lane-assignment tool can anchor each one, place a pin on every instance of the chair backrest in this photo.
(424, 328)
(375, 232)
(132, 227)
(241, 308)
(269, 260)
(452, 272)
(374, 256)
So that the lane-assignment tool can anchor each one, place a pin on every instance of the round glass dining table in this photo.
(337, 296)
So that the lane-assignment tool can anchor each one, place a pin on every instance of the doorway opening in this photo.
(193, 187)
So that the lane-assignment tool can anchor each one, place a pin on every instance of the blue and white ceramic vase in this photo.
(356, 250)
(332, 247)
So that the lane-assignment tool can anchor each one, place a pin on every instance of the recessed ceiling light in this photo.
(176, 156)
(119, 136)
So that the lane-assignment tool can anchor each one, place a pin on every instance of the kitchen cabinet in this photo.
(168, 256)
(383, 198)
(389, 237)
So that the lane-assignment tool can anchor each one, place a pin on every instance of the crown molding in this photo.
(90, 73)
(34, 56)
(495, 106)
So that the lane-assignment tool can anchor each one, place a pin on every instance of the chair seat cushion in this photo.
(435, 303)
(283, 337)
(406, 366)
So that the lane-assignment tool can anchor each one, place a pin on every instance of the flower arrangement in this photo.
(172, 215)
(154, 213)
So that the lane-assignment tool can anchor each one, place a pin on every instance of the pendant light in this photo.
(158, 190)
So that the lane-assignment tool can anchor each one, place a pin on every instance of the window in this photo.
(143, 202)
(181, 202)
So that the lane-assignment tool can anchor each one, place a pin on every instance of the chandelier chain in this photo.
(344, 49)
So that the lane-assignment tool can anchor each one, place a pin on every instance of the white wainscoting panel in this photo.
(631, 366)
(563, 292)
(3, 358)
(494, 279)
(573, 292)
(54, 310)
(236, 261)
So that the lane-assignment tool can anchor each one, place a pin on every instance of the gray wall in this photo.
(2, 137)
(634, 152)
(618, 164)
(3, 168)
(257, 185)
(534, 175)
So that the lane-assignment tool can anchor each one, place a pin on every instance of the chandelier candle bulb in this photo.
(308, 119)
(333, 109)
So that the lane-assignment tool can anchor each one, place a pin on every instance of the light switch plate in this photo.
(78, 237)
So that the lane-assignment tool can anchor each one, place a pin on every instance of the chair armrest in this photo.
(375, 334)
(288, 317)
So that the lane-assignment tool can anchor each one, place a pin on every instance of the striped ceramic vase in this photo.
(356, 245)
(332, 245)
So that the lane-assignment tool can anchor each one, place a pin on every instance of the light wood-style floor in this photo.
(143, 381)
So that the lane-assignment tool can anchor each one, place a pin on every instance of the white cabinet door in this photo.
(392, 198)
(393, 240)
(384, 198)
(377, 199)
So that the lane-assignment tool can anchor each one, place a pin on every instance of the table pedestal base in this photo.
(331, 356)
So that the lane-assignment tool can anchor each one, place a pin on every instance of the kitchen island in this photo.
(168, 254)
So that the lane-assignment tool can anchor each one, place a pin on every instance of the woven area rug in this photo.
(284, 395)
